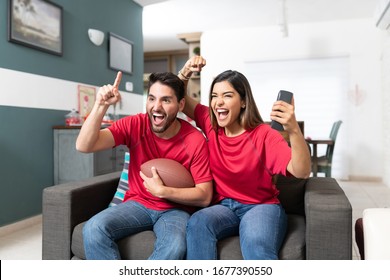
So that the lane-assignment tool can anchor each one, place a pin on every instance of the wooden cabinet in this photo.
(71, 165)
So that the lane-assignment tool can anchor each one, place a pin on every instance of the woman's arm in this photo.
(300, 163)
(194, 64)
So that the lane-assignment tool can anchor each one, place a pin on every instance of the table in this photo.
(315, 142)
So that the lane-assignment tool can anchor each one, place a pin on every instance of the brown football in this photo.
(171, 172)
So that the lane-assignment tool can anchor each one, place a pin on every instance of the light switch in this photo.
(129, 86)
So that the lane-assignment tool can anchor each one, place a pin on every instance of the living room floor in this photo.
(23, 240)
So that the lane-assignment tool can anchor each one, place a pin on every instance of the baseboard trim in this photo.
(364, 178)
(9, 229)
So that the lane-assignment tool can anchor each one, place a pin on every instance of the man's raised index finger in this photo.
(118, 79)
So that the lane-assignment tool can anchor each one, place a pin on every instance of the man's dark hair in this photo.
(169, 79)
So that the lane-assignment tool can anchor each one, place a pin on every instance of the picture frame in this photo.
(86, 100)
(120, 53)
(38, 25)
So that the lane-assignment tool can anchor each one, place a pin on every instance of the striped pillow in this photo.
(123, 185)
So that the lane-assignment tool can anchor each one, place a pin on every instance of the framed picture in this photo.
(86, 99)
(121, 54)
(36, 24)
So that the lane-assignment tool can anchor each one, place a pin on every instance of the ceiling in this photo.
(164, 19)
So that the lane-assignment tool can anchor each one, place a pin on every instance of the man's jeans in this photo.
(261, 227)
(114, 223)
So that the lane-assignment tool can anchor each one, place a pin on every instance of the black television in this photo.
(120, 53)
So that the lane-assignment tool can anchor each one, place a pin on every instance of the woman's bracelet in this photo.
(186, 78)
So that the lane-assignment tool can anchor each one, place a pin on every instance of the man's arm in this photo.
(91, 138)
(200, 195)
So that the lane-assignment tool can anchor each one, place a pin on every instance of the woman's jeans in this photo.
(261, 228)
(102, 231)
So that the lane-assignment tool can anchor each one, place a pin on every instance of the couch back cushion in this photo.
(292, 193)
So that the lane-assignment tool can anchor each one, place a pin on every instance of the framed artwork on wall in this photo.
(120, 53)
(86, 99)
(36, 24)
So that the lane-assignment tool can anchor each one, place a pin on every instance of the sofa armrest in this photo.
(66, 205)
(328, 220)
(376, 231)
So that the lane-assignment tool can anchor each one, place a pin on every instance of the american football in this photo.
(171, 172)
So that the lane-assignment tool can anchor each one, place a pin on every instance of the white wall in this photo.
(386, 105)
(35, 91)
(357, 39)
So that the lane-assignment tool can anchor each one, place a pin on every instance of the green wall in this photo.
(81, 61)
(26, 163)
(26, 137)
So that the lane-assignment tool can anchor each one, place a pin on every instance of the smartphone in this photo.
(286, 96)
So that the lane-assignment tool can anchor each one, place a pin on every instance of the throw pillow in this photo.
(123, 185)
(291, 196)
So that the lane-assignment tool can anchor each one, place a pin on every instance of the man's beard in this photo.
(160, 129)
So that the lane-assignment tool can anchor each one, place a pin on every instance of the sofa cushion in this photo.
(140, 246)
(291, 194)
(293, 247)
(123, 184)
(77, 245)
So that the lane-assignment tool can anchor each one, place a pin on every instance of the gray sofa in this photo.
(319, 220)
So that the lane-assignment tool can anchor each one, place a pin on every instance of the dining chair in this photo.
(324, 163)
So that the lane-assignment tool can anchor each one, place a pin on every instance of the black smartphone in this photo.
(286, 96)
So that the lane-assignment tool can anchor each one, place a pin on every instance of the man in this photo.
(148, 204)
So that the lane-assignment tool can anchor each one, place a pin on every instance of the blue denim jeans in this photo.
(261, 228)
(102, 231)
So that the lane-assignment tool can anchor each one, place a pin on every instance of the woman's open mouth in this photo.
(222, 114)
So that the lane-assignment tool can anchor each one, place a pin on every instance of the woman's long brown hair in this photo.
(249, 116)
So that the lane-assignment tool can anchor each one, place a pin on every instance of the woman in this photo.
(245, 154)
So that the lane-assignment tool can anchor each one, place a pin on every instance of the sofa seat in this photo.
(319, 220)
(140, 246)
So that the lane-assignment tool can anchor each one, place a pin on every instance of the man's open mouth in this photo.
(158, 118)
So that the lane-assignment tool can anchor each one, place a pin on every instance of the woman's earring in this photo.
(243, 106)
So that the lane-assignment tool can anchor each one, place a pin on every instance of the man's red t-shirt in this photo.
(188, 147)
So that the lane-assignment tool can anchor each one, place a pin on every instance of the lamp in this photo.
(96, 36)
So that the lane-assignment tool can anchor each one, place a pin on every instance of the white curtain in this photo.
(320, 88)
